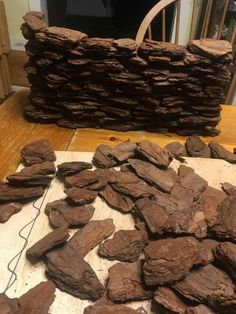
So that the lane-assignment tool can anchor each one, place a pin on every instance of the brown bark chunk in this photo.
(225, 253)
(125, 283)
(72, 167)
(28, 181)
(85, 239)
(155, 154)
(115, 199)
(11, 193)
(61, 213)
(7, 305)
(218, 151)
(7, 210)
(81, 196)
(197, 148)
(72, 274)
(103, 157)
(36, 152)
(52, 239)
(109, 309)
(176, 150)
(229, 188)
(169, 260)
(200, 309)
(168, 300)
(124, 151)
(162, 179)
(125, 246)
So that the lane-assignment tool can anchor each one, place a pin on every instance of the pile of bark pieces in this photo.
(181, 253)
(29, 183)
(79, 82)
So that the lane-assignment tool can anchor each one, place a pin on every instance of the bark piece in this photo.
(129, 184)
(54, 238)
(103, 157)
(218, 151)
(209, 245)
(200, 309)
(35, 20)
(208, 285)
(115, 199)
(176, 150)
(36, 152)
(210, 48)
(197, 148)
(7, 305)
(225, 253)
(124, 151)
(229, 188)
(37, 300)
(61, 213)
(81, 196)
(225, 225)
(168, 300)
(72, 274)
(72, 167)
(40, 169)
(29, 181)
(169, 260)
(125, 246)
(155, 154)
(109, 309)
(11, 193)
(85, 239)
(125, 283)
(162, 179)
(9, 209)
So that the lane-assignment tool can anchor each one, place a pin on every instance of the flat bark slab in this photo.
(72, 274)
(109, 309)
(229, 188)
(53, 239)
(169, 301)
(197, 148)
(36, 152)
(125, 283)
(80, 196)
(218, 151)
(9, 209)
(70, 168)
(225, 253)
(103, 157)
(169, 260)
(61, 213)
(21, 194)
(124, 151)
(125, 246)
(176, 150)
(85, 239)
(200, 309)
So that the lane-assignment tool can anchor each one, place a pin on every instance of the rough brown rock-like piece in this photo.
(103, 157)
(29, 181)
(11, 193)
(85, 239)
(169, 260)
(129, 184)
(208, 285)
(35, 20)
(124, 151)
(229, 188)
(225, 253)
(200, 309)
(40, 169)
(52, 239)
(225, 225)
(72, 274)
(36, 152)
(7, 210)
(64, 35)
(209, 245)
(7, 305)
(81, 196)
(125, 283)
(103, 178)
(162, 179)
(210, 48)
(176, 150)
(72, 167)
(109, 309)
(155, 154)
(197, 148)
(125, 246)
(37, 300)
(115, 199)
(168, 300)
(61, 213)
(218, 151)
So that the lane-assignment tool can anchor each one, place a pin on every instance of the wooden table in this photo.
(15, 132)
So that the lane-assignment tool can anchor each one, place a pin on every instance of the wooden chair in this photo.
(5, 82)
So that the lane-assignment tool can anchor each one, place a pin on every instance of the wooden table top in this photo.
(15, 132)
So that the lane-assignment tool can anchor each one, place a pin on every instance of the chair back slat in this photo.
(192, 20)
(177, 8)
(207, 19)
(223, 19)
(149, 32)
(164, 25)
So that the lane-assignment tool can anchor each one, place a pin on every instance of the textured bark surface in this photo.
(72, 167)
(229, 188)
(9, 209)
(116, 199)
(123, 151)
(169, 260)
(60, 213)
(125, 246)
(103, 157)
(109, 309)
(218, 151)
(53, 239)
(125, 283)
(7, 305)
(225, 253)
(80, 196)
(169, 301)
(72, 274)
(36, 152)
(176, 150)
(21, 194)
(197, 148)
(208, 285)
(200, 309)
(85, 239)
